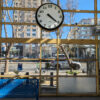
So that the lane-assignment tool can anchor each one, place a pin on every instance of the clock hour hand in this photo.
(51, 17)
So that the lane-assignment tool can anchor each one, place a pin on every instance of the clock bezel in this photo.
(49, 29)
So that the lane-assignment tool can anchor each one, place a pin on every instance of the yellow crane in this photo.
(74, 65)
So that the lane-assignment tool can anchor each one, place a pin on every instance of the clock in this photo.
(49, 16)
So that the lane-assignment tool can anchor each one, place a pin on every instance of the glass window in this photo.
(83, 32)
(33, 21)
(16, 4)
(33, 34)
(33, 25)
(28, 25)
(28, 34)
(33, 30)
(22, 35)
(19, 29)
(15, 16)
(15, 29)
(28, 29)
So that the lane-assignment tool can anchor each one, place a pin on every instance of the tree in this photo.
(7, 16)
(71, 5)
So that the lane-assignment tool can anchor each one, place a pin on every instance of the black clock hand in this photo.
(51, 17)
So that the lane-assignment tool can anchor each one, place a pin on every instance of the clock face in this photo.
(49, 16)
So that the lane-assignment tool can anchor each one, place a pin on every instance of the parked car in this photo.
(63, 63)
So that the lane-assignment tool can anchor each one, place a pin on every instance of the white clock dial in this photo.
(49, 16)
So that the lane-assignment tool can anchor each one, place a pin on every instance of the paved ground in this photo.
(58, 98)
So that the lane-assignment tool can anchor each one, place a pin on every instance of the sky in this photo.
(81, 5)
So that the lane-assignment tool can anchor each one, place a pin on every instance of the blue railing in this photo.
(19, 88)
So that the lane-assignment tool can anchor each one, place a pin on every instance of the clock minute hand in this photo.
(51, 17)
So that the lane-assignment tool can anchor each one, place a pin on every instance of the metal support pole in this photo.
(96, 38)
(57, 76)
(1, 4)
(57, 80)
(40, 59)
(51, 79)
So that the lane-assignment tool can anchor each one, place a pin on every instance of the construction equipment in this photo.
(74, 65)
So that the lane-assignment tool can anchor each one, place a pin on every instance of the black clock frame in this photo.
(49, 29)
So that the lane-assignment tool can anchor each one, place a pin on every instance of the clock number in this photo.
(41, 11)
(49, 26)
(58, 22)
(54, 25)
(38, 15)
(40, 21)
(44, 7)
(49, 6)
(59, 11)
(44, 24)
(60, 16)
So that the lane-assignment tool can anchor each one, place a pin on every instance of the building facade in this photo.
(83, 33)
(28, 31)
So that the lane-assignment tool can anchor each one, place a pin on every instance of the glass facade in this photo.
(71, 70)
